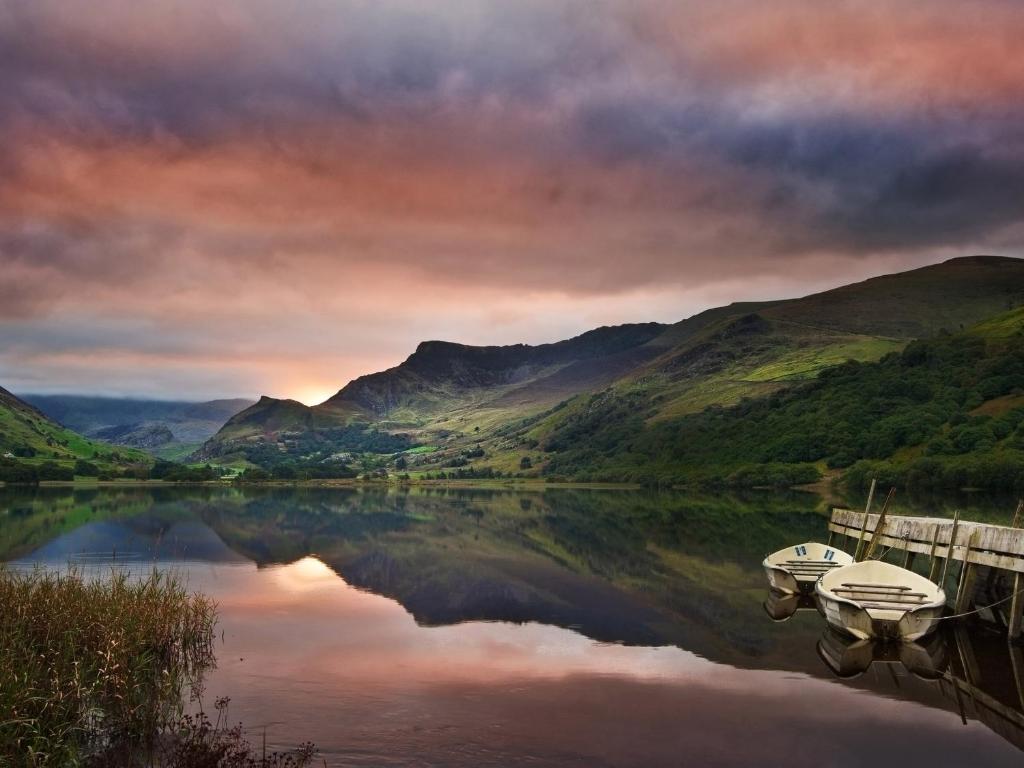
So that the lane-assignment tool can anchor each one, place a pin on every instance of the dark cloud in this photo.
(245, 158)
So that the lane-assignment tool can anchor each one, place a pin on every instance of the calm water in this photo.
(554, 628)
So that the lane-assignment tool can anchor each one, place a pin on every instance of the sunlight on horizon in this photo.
(312, 395)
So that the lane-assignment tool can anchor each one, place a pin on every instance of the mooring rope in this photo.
(905, 539)
(984, 607)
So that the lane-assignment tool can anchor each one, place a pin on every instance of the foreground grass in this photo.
(95, 672)
(89, 665)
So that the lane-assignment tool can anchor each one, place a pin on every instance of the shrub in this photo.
(86, 468)
(50, 470)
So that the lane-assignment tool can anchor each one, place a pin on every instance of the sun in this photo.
(313, 394)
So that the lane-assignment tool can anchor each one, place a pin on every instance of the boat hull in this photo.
(878, 602)
(859, 623)
(784, 581)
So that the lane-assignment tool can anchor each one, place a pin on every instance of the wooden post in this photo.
(966, 589)
(1017, 514)
(880, 528)
(949, 549)
(1014, 620)
(1017, 663)
(959, 700)
(932, 562)
(908, 560)
(864, 525)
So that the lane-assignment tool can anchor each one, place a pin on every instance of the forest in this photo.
(944, 412)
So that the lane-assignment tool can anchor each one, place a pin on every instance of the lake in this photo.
(549, 627)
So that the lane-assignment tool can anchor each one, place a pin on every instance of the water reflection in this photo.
(782, 606)
(496, 628)
(848, 657)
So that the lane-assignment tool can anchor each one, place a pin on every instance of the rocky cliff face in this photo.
(441, 370)
(145, 436)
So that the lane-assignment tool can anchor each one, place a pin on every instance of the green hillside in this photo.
(29, 438)
(944, 412)
(915, 304)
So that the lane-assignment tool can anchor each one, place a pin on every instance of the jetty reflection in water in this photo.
(555, 628)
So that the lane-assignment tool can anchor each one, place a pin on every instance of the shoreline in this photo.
(518, 483)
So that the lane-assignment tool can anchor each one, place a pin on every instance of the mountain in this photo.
(442, 382)
(441, 376)
(493, 407)
(171, 429)
(31, 437)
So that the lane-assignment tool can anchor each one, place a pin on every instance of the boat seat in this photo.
(880, 593)
(806, 568)
(817, 569)
(827, 563)
(879, 586)
(890, 606)
(865, 601)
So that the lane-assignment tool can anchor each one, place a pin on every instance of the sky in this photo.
(261, 197)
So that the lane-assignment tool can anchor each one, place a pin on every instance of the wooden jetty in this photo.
(986, 560)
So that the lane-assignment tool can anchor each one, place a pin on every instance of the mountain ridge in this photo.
(451, 395)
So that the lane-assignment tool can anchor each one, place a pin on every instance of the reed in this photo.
(96, 667)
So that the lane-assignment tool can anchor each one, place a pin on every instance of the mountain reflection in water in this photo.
(562, 627)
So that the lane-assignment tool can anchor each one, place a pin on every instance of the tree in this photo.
(86, 468)
(401, 463)
(525, 463)
(51, 470)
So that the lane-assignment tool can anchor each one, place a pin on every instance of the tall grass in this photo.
(95, 667)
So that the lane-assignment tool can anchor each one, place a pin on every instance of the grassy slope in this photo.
(22, 426)
(947, 409)
(918, 303)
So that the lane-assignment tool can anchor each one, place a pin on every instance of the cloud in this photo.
(359, 175)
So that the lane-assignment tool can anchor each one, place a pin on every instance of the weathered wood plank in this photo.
(998, 546)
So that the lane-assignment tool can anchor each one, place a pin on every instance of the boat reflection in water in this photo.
(971, 668)
(782, 606)
(848, 657)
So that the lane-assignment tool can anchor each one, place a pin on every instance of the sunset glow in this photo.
(257, 197)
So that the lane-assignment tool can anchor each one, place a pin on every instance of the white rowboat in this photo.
(873, 599)
(796, 569)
